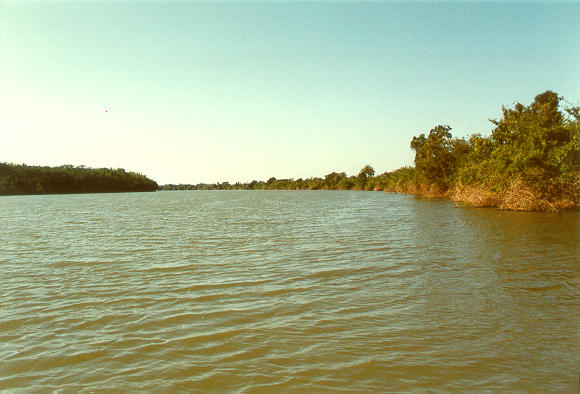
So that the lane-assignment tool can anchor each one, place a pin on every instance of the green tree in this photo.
(538, 144)
(333, 179)
(434, 157)
(365, 174)
(345, 184)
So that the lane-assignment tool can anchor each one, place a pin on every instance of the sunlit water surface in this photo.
(292, 291)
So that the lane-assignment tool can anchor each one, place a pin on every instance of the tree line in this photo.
(365, 180)
(23, 179)
(531, 161)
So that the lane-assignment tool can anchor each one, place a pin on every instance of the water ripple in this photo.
(290, 291)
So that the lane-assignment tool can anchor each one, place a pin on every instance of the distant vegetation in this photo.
(23, 179)
(366, 180)
(531, 161)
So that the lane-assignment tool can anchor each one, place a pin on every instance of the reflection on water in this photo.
(261, 291)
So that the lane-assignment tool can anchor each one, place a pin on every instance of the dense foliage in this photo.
(23, 179)
(531, 161)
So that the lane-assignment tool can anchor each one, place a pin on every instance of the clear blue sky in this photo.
(189, 92)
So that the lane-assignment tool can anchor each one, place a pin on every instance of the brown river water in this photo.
(264, 291)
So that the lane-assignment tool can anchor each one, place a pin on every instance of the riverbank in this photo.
(20, 179)
(530, 162)
(518, 197)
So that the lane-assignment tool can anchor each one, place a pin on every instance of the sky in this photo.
(191, 92)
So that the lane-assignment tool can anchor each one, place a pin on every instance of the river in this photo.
(261, 291)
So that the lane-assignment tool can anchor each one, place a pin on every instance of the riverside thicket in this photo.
(531, 161)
